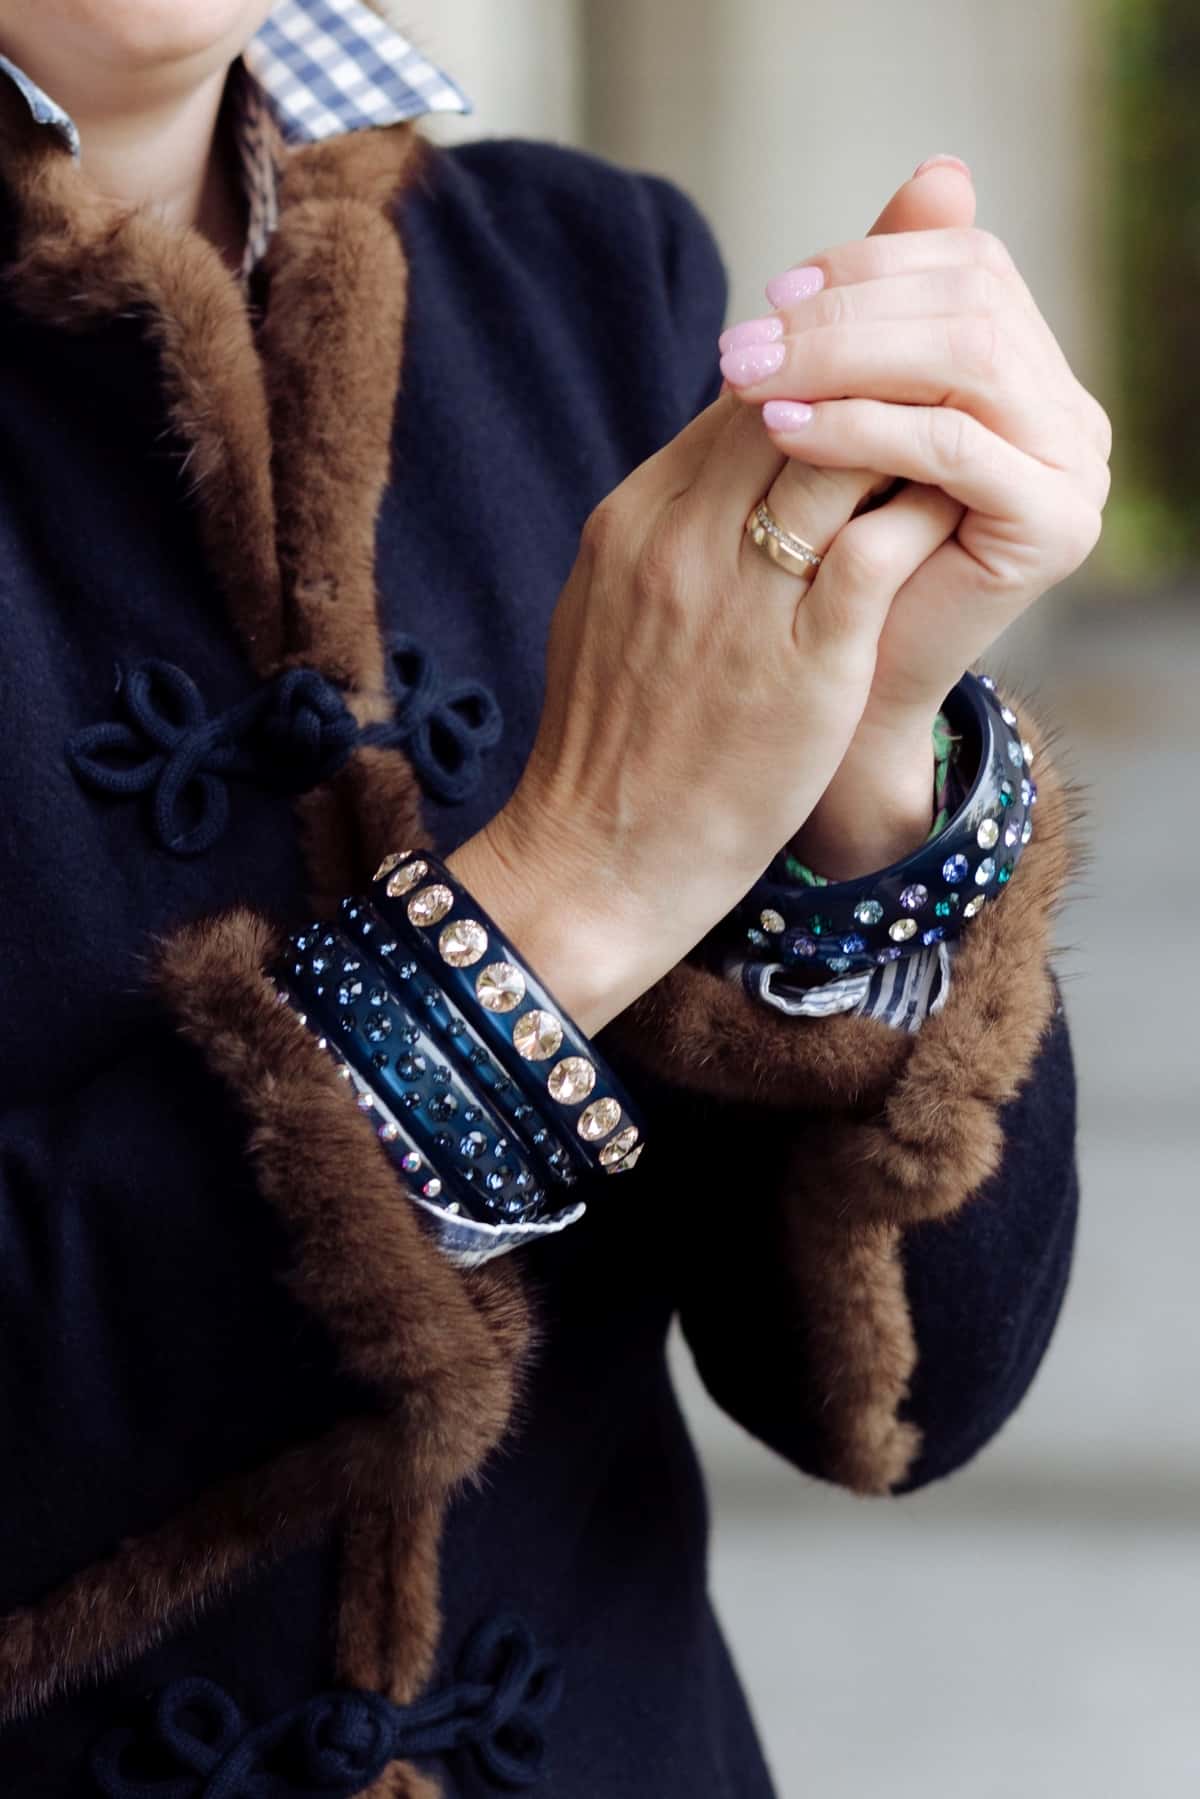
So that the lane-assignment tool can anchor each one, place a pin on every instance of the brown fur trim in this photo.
(121, 1606)
(81, 258)
(875, 1162)
(388, 1616)
(860, 1349)
(443, 1348)
(404, 1319)
(331, 344)
(695, 1030)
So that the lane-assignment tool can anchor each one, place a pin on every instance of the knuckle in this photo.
(991, 252)
(836, 306)
(660, 576)
(1103, 426)
(976, 345)
(951, 438)
(606, 532)
(860, 564)
(1081, 534)
(978, 289)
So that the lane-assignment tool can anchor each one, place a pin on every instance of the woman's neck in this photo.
(171, 157)
(151, 141)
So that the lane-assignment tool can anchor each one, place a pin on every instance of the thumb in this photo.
(940, 194)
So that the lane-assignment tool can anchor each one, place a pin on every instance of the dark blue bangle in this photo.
(451, 1144)
(851, 926)
(529, 1033)
(460, 1042)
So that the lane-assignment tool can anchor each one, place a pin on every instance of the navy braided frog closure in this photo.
(197, 1745)
(292, 733)
(444, 725)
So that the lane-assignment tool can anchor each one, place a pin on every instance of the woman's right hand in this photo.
(698, 703)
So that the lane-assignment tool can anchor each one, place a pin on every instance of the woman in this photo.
(308, 1488)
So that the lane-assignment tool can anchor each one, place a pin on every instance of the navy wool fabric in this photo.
(563, 326)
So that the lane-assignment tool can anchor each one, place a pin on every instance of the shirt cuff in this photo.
(902, 994)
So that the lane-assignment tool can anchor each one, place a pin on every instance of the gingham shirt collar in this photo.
(315, 70)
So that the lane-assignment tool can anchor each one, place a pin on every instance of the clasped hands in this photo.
(919, 351)
(907, 411)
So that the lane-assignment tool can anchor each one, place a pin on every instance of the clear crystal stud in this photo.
(975, 905)
(868, 912)
(598, 1119)
(432, 1188)
(1008, 715)
(463, 943)
(389, 862)
(988, 834)
(571, 1080)
(406, 878)
(389, 1132)
(1014, 754)
(1027, 830)
(773, 921)
(1027, 752)
(430, 905)
(903, 929)
(537, 1035)
(500, 987)
(985, 871)
(620, 1146)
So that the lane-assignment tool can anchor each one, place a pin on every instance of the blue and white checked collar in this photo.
(316, 69)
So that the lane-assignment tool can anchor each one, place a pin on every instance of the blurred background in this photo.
(1032, 1627)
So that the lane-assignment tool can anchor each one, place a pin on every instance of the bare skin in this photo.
(703, 707)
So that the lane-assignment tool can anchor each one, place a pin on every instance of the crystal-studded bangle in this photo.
(539, 1047)
(461, 1045)
(850, 926)
(449, 1140)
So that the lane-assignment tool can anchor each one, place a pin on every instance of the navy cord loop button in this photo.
(445, 726)
(292, 733)
(196, 1744)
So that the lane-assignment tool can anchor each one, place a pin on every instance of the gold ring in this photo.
(784, 549)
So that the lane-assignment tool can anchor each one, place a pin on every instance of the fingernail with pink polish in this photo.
(795, 284)
(786, 415)
(753, 331)
(943, 161)
(755, 363)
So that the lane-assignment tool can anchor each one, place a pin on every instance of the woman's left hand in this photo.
(923, 355)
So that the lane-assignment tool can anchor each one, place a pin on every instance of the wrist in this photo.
(878, 809)
(572, 927)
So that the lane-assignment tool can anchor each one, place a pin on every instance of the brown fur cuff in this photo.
(700, 1031)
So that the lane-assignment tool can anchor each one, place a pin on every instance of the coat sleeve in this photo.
(891, 1283)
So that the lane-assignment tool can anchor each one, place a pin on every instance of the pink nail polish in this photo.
(795, 284)
(786, 415)
(943, 161)
(753, 331)
(757, 362)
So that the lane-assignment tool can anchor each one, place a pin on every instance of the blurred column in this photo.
(793, 122)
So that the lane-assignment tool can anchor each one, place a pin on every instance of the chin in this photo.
(147, 34)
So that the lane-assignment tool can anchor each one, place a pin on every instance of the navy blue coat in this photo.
(148, 1347)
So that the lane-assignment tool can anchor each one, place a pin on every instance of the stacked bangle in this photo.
(488, 1098)
(930, 897)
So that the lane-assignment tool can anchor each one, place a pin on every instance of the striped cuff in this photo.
(903, 993)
